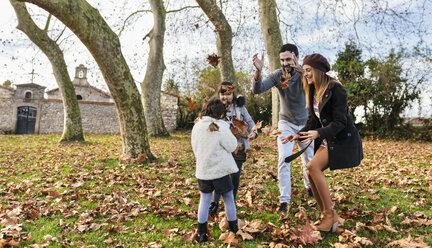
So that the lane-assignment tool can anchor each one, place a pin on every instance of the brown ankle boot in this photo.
(329, 222)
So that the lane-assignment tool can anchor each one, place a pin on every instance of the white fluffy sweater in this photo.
(213, 149)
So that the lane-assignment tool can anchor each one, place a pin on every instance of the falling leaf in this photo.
(284, 78)
(142, 158)
(213, 127)
(197, 26)
(190, 103)
(213, 59)
(240, 128)
(257, 126)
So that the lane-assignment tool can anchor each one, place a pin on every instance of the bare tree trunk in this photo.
(72, 129)
(224, 37)
(151, 86)
(90, 27)
(273, 42)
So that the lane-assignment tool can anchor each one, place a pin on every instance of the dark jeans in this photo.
(235, 179)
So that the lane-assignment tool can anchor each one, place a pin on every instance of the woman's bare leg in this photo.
(315, 170)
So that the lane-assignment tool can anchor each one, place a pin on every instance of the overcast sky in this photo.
(315, 26)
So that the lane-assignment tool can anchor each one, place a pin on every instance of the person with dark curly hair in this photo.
(236, 110)
(212, 144)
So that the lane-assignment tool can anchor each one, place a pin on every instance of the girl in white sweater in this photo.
(212, 144)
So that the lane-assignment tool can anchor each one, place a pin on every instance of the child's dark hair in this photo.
(214, 108)
(222, 90)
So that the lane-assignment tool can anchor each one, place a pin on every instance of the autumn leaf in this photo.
(190, 236)
(240, 128)
(196, 25)
(231, 239)
(142, 158)
(284, 78)
(213, 127)
(257, 126)
(213, 59)
(190, 103)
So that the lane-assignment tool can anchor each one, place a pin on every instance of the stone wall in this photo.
(88, 93)
(96, 117)
(169, 106)
(7, 124)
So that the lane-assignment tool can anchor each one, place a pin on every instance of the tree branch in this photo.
(183, 8)
(47, 23)
(130, 16)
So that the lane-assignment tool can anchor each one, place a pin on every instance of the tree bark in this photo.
(72, 129)
(90, 27)
(151, 86)
(223, 39)
(273, 42)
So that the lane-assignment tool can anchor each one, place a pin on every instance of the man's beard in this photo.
(288, 69)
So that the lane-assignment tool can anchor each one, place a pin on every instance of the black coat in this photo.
(337, 126)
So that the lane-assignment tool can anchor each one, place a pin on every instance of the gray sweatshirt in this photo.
(292, 99)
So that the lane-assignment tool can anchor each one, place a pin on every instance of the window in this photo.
(79, 97)
(28, 96)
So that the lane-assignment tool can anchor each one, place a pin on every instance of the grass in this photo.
(82, 195)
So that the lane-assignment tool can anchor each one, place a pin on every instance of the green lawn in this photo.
(82, 195)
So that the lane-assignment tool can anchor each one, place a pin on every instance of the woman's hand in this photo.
(290, 138)
(308, 136)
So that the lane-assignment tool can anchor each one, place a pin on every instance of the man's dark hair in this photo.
(214, 108)
(289, 47)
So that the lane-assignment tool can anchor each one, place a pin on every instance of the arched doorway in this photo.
(26, 120)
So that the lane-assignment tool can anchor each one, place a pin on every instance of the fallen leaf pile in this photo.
(87, 195)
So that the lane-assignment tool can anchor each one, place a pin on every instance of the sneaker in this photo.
(213, 208)
(309, 193)
(283, 208)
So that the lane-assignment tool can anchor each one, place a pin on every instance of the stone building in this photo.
(26, 110)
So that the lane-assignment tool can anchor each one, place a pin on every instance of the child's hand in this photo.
(290, 138)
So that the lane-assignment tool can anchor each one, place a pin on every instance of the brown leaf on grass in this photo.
(244, 235)
(191, 104)
(109, 241)
(409, 242)
(213, 59)
(231, 239)
(309, 235)
(249, 199)
(223, 224)
(190, 236)
(301, 215)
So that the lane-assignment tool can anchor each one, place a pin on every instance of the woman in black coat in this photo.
(338, 142)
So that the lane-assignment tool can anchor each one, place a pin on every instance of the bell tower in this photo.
(80, 76)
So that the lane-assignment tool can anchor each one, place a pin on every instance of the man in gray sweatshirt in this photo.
(292, 116)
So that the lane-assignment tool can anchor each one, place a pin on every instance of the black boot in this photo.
(202, 232)
(213, 208)
(233, 226)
